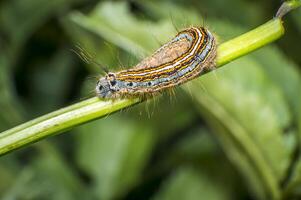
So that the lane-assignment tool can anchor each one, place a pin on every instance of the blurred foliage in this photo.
(231, 134)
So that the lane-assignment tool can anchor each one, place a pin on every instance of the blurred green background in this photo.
(231, 134)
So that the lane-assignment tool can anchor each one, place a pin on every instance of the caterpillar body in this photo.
(190, 53)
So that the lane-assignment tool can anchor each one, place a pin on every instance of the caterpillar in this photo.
(190, 53)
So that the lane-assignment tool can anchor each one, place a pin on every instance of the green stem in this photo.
(59, 121)
(82, 112)
(249, 41)
(287, 6)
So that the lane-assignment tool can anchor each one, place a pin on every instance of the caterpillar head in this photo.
(107, 86)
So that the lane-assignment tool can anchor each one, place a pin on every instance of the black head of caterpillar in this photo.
(107, 86)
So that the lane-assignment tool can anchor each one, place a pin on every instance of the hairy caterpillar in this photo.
(191, 52)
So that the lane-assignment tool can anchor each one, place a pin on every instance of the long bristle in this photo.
(87, 57)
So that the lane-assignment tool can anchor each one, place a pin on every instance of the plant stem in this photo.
(82, 112)
(249, 41)
(59, 121)
(287, 6)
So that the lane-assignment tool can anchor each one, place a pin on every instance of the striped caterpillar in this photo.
(191, 52)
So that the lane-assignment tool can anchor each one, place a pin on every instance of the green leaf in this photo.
(48, 176)
(188, 183)
(296, 16)
(139, 39)
(114, 151)
(19, 19)
(198, 170)
(254, 112)
(284, 75)
(187, 15)
(8, 102)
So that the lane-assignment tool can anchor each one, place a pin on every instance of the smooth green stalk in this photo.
(82, 112)
(287, 6)
(249, 41)
(59, 121)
